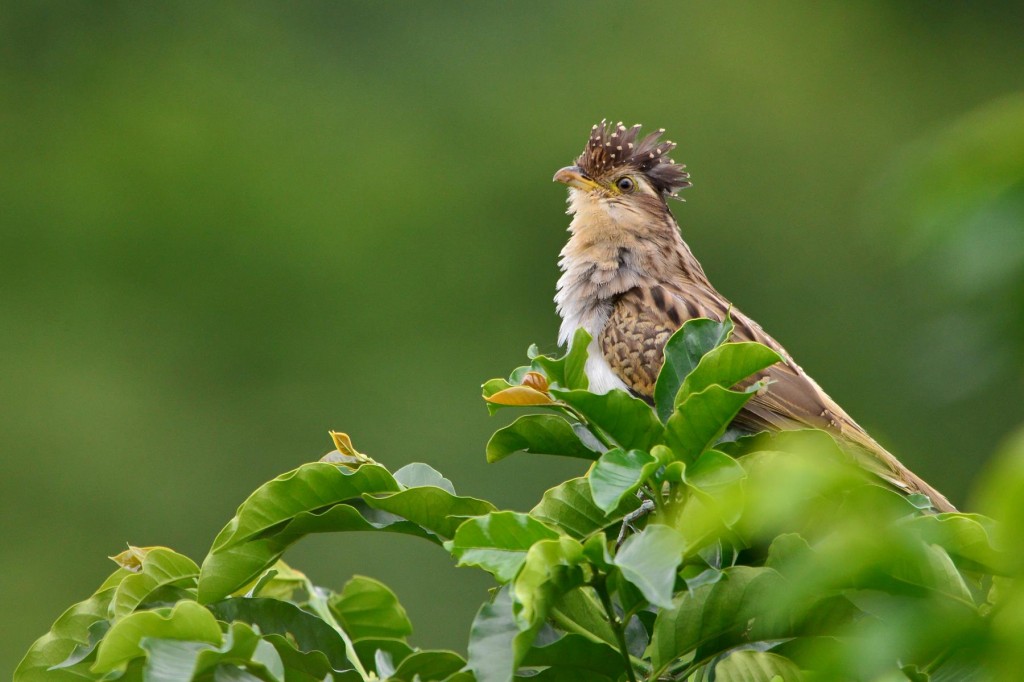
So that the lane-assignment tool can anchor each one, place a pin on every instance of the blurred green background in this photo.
(226, 228)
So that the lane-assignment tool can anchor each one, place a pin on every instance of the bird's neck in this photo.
(613, 249)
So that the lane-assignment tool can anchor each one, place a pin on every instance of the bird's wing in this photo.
(633, 340)
(642, 320)
(633, 343)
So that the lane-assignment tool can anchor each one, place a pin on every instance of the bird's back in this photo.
(633, 341)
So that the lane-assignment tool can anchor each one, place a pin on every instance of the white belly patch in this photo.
(599, 373)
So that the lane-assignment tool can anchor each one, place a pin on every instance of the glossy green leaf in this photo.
(580, 610)
(417, 474)
(228, 569)
(375, 650)
(560, 674)
(311, 487)
(431, 508)
(715, 617)
(757, 666)
(307, 666)
(85, 651)
(425, 666)
(307, 632)
(169, 660)
(629, 421)
(498, 542)
(702, 418)
(683, 351)
(496, 644)
(649, 561)
(567, 371)
(280, 581)
(552, 567)
(967, 537)
(541, 434)
(576, 652)
(160, 567)
(726, 366)
(368, 608)
(492, 386)
(618, 474)
(187, 621)
(712, 469)
(69, 631)
(461, 676)
(571, 508)
(504, 630)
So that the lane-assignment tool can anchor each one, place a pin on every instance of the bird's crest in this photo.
(614, 147)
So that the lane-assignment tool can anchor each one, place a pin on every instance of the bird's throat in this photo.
(615, 246)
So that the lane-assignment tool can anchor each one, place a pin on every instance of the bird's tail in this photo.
(892, 470)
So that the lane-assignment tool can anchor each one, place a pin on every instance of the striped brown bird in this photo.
(631, 281)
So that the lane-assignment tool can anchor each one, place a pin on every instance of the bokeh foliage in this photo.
(228, 227)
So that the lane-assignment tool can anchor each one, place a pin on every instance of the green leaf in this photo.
(374, 650)
(714, 469)
(567, 371)
(429, 665)
(368, 608)
(576, 652)
(160, 567)
(541, 434)
(434, 509)
(702, 418)
(492, 386)
(649, 560)
(966, 537)
(70, 631)
(495, 641)
(312, 486)
(932, 569)
(580, 611)
(757, 666)
(84, 652)
(306, 500)
(726, 366)
(715, 617)
(498, 542)
(571, 508)
(281, 581)
(504, 630)
(683, 351)
(618, 474)
(628, 420)
(552, 567)
(311, 666)
(305, 631)
(169, 660)
(226, 570)
(418, 474)
(187, 621)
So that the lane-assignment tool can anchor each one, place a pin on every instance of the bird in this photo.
(631, 281)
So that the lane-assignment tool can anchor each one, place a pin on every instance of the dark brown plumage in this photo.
(631, 281)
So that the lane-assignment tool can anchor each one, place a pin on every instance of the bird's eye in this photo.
(625, 184)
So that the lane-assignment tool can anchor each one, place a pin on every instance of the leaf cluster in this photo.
(687, 552)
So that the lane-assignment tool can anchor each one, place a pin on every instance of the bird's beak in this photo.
(573, 176)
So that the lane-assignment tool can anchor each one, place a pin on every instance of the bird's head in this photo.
(618, 169)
